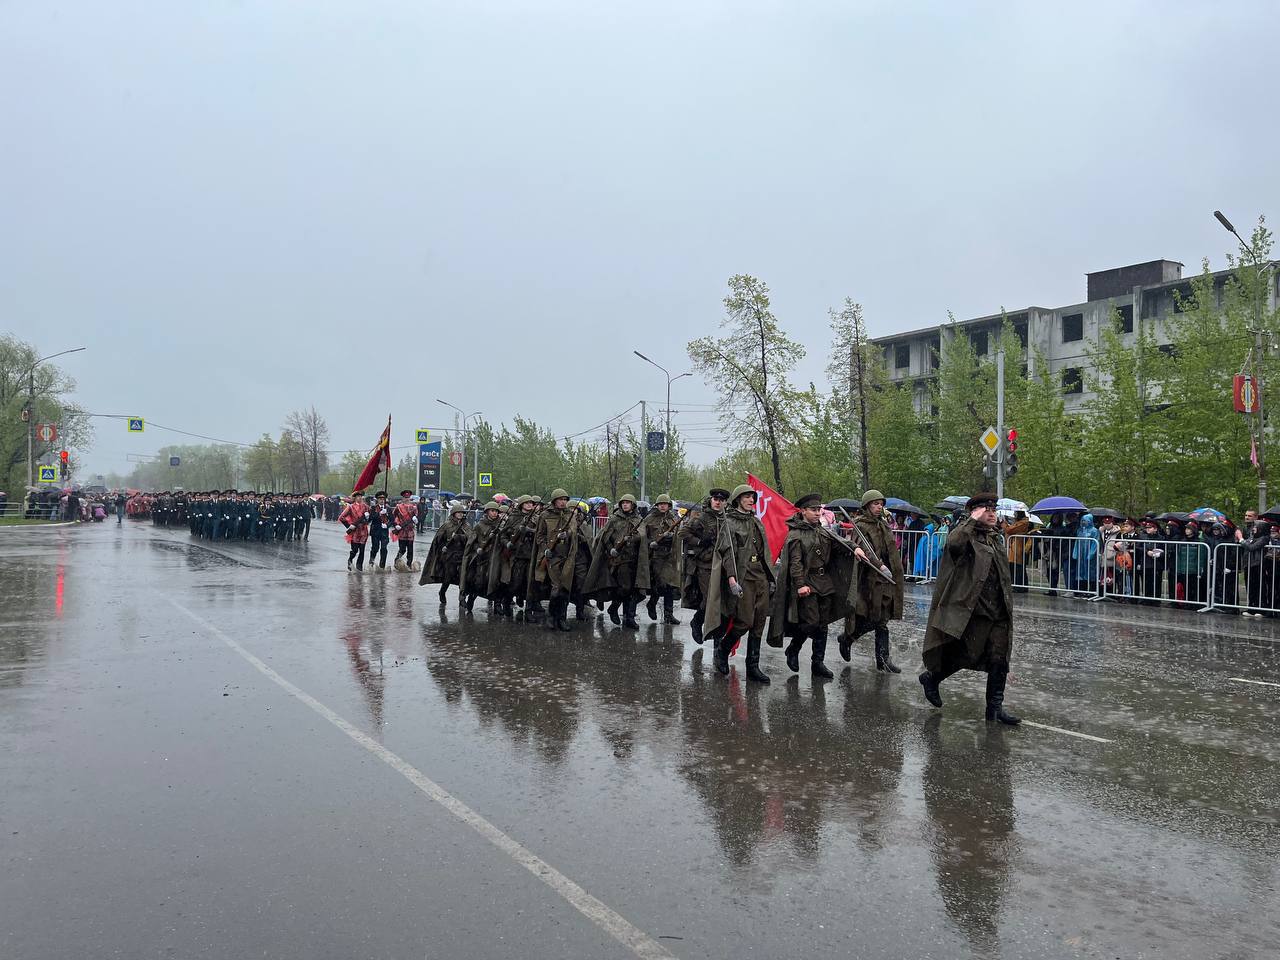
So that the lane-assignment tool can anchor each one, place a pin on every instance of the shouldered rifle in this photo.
(872, 559)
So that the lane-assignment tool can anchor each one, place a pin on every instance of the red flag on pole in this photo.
(380, 460)
(773, 510)
(1253, 452)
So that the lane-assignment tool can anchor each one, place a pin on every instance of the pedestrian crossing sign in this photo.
(48, 474)
(423, 435)
(486, 479)
(136, 425)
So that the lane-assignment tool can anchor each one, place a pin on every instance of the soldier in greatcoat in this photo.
(880, 585)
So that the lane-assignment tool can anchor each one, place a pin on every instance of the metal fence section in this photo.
(1243, 577)
(1053, 565)
(917, 548)
(1155, 571)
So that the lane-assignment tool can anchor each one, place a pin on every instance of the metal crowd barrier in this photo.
(1155, 571)
(1243, 577)
(1053, 565)
(917, 549)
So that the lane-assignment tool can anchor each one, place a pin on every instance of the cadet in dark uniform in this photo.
(741, 583)
(971, 617)
(379, 530)
(699, 544)
(660, 528)
(815, 571)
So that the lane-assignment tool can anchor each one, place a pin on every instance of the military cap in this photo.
(720, 493)
(559, 493)
(661, 498)
(871, 496)
(739, 490)
(382, 495)
(809, 500)
(984, 499)
(406, 493)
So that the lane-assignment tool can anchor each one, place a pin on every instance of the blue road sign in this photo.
(48, 474)
(175, 461)
(424, 436)
(136, 425)
(486, 479)
(657, 441)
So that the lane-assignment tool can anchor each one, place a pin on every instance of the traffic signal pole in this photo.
(1000, 450)
(644, 448)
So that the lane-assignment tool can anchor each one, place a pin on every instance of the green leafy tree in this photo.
(853, 370)
(52, 392)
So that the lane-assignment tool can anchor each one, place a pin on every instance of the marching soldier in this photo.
(971, 616)
(742, 581)
(700, 535)
(660, 528)
(555, 549)
(444, 557)
(880, 582)
(620, 564)
(404, 520)
(355, 518)
(473, 579)
(379, 530)
(509, 564)
(815, 572)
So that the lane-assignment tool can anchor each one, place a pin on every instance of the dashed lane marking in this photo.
(1261, 683)
(604, 917)
(1069, 733)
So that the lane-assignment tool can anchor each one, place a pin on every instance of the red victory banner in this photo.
(1244, 391)
(380, 460)
(773, 510)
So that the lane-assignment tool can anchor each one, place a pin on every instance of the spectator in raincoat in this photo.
(920, 567)
(1017, 547)
(1190, 561)
(1084, 555)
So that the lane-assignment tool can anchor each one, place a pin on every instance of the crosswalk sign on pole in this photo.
(48, 474)
(136, 425)
(423, 437)
(486, 479)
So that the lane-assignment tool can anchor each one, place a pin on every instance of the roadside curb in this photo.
(38, 526)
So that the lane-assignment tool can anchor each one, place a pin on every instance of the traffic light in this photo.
(1011, 453)
(988, 467)
(635, 467)
(63, 457)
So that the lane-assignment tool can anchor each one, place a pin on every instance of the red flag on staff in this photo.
(379, 461)
(773, 510)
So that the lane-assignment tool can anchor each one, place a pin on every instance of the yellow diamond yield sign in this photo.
(989, 440)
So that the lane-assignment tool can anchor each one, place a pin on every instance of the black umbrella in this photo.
(1100, 512)
(951, 504)
(894, 505)
(1180, 517)
(846, 502)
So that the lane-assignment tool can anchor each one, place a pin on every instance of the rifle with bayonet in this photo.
(870, 558)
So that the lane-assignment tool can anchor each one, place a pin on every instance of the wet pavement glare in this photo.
(164, 798)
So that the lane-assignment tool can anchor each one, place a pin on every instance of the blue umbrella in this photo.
(1207, 513)
(1059, 505)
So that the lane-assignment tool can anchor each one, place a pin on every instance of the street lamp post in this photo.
(667, 441)
(462, 448)
(1257, 332)
(31, 406)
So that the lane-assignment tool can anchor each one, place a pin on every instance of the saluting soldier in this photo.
(473, 578)
(620, 563)
(660, 529)
(971, 616)
(700, 534)
(555, 548)
(444, 557)
(742, 581)
(815, 574)
(880, 585)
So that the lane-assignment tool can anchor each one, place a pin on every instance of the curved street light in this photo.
(462, 465)
(667, 439)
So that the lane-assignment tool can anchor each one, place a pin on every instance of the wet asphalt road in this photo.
(177, 781)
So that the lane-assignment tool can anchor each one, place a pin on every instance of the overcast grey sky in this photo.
(245, 208)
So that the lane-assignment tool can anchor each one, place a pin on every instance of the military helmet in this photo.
(457, 507)
(523, 499)
(625, 497)
(558, 493)
(492, 505)
(739, 490)
(871, 496)
(661, 498)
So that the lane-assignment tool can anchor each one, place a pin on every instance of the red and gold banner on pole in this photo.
(1244, 393)
(773, 510)
(380, 460)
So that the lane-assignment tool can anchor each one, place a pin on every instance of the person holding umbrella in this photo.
(971, 617)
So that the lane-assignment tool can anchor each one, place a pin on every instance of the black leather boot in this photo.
(753, 662)
(562, 616)
(883, 663)
(695, 626)
(845, 642)
(580, 611)
(553, 612)
(669, 610)
(721, 661)
(817, 666)
(651, 607)
(995, 698)
(533, 612)
(629, 615)
(471, 602)
(613, 612)
(443, 589)
(931, 692)
(793, 654)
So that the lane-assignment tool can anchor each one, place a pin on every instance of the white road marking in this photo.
(613, 923)
(1069, 733)
(1261, 683)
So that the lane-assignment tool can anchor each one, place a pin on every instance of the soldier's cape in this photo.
(671, 571)
(562, 572)
(842, 568)
(502, 561)
(601, 578)
(715, 616)
(473, 546)
(433, 569)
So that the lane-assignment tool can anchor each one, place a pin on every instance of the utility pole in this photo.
(644, 448)
(666, 443)
(1000, 455)
(31, 408)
